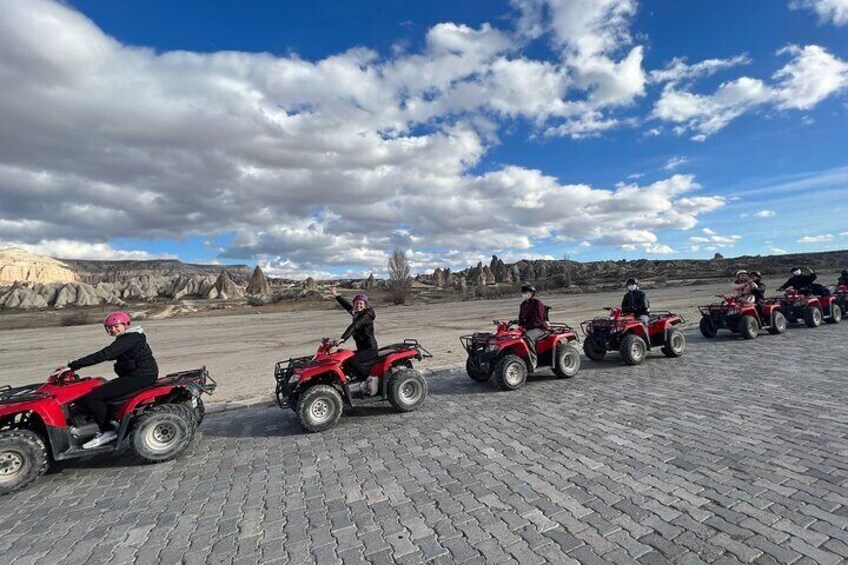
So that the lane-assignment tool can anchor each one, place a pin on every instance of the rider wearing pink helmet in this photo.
(134, 364)
(362, 331)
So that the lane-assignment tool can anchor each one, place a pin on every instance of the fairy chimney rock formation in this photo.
(439, 277)
(310, 285)
(224, 288)
(258, 285)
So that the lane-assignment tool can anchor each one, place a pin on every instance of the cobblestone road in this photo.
(736, 452)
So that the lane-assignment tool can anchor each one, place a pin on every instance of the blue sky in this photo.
(314, 137)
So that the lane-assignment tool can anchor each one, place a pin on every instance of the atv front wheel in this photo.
(835, 314)
(675, 344)
(778, 324)
(511, 372)
(23, 458)
(319, 408)
(748, 327)
(407, 390)
(162, 432)
(475, 373)
(813, 317)
(708, 327)
(567, 361)
(633, 349)
(594, 348)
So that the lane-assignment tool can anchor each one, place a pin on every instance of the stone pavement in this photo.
(735, 453)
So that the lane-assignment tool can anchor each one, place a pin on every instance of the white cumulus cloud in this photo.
(817, 238)
(835, 11)
(812, 75)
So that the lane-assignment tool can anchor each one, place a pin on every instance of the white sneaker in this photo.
(100, 439)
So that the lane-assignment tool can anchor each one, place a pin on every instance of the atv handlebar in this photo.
(63, 375)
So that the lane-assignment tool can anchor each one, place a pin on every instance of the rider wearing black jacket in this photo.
(134, 364)
(803, 283)
(635, 301)
(362, 331)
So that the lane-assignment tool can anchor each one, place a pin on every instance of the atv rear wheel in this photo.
(567, 361)
(594, 348)
(319, 408)
(813, 317)
(407, 390)
(162, 432)
(633, 349)
(511, 372)
(835, 314)
(778, 324)
(675, 344)
(475, 373)
(23, 458)
(708, 327)
(197, 411)
(748, 327)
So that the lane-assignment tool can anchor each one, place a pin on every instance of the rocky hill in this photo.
(19, 265)
(93, 272)
(565, 273)
(42, 282)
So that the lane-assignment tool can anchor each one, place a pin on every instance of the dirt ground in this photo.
(240, 350)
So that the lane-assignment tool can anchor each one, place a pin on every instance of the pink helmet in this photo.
(361, 297)
(116, 318)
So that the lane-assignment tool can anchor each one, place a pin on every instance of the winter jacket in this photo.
(362, 327)
(743, 290)
(800, 282)
(531, 315)
(636, 302)
(132, 356)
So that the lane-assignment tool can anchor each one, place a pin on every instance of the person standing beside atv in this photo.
(636, 301)
(843, 278)
(743, 287)
(362, 331)
(134, 364)
(532, 317)
(802, 280)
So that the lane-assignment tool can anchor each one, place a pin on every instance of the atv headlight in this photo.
(492, 347)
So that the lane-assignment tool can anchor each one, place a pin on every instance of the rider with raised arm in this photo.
(532, 317)
(803, 282)
(362, 331)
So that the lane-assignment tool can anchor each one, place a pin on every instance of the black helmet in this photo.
(756, 274)
(630, 281)
(528, 288)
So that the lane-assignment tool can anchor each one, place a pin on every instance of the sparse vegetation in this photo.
(400, 283)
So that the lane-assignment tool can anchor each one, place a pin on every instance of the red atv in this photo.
(812, 309)
(317, 387)
(631, 337)
(41, 423)
(505, 354)
(840, 293)
(743, 318)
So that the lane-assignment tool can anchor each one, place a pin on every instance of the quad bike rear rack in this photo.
(198, 378)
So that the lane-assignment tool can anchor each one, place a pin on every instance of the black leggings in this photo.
(362, 362)
(96, 400)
